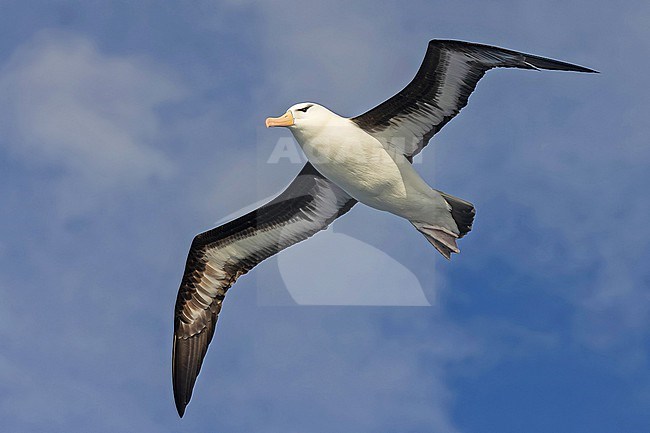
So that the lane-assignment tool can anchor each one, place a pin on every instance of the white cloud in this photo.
(582, 188)
(338, 367)
(69, 107)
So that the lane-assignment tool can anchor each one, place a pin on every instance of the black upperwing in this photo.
(448, 75)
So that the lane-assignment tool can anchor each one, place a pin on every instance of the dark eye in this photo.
(304, 109)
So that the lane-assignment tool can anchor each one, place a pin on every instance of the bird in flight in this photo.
(364, 159)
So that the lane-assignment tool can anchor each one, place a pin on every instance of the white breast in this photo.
(356, 162)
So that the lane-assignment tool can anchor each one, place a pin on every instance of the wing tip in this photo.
(187, 357)
(180, 397)
(555, 65)
(180, 408)
(529, 62)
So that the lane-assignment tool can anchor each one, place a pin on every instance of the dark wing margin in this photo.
(448, 75)
(219, 256)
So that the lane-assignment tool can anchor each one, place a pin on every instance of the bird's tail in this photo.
(444, 239)
(462, 212)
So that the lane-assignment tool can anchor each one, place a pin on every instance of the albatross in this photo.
(364, 159)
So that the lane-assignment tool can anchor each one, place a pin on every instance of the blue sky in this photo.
(128, 127)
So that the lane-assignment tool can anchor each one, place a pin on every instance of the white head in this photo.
(303, 116)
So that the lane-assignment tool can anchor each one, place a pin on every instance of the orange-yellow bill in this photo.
(285, 120)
